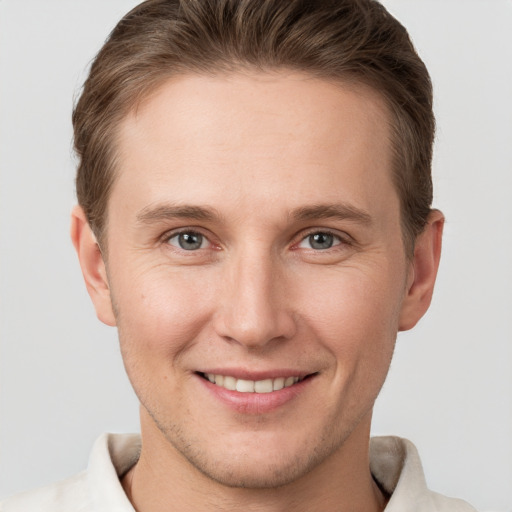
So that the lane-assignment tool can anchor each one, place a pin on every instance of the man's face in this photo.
(254, 239)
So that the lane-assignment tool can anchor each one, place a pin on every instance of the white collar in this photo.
(394, 463)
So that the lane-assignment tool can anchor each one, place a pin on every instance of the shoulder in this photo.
(446, 504)
(98, 488)
(396, 466)
(65, 496)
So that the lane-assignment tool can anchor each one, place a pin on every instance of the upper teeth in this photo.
(251, 386)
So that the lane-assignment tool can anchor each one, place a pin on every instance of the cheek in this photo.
(160, 312)
(355, 313)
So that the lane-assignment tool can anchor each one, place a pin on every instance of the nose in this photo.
(254, 308)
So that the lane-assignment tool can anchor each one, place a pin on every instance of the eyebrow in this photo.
(332, 211)
(164, 212)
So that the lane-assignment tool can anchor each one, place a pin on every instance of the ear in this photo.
(93, 266)
(422, 272)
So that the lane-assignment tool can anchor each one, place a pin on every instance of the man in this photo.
(255, 218)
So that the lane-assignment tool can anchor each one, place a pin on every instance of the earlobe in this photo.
(423, 272)
(93, 266)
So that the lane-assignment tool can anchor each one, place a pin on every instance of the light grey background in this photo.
(450, 386)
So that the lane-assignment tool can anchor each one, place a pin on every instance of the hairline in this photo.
(348, 79)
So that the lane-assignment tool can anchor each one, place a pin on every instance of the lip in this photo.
(256, 403)
(240, 373)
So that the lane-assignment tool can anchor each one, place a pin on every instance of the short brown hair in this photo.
(354, 41)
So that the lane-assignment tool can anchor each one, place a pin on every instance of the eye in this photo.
(320, 241)
(188, 241)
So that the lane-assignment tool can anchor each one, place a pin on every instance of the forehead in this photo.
(261, 137)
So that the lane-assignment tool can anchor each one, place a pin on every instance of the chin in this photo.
(259, 463)
(254, 475)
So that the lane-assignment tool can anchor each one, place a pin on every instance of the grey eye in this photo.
(320, 241)
(188, 241)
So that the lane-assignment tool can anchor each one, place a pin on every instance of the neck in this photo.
(343, 482)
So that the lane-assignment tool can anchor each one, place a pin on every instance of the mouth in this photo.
(253, 386)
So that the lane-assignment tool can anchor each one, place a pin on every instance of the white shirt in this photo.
(394, 463)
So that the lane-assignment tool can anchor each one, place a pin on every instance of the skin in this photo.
(265, 160)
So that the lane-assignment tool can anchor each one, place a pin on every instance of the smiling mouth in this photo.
(252, 386)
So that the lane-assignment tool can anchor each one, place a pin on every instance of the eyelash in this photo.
(342, 241)
(187, 231)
